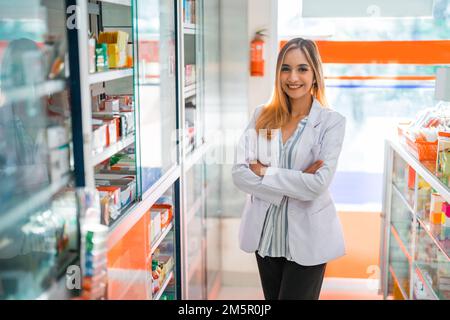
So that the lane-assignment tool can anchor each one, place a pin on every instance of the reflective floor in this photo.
(332, 289)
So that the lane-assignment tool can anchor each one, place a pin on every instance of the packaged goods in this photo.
(443, 158)
(59, 162)
(92, 55)
(116, 42)
(166, 213)
(99, 137)
(101, 57)
(155, 225)
(112, 105)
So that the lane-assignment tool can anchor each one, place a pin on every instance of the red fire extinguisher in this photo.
(257, 55)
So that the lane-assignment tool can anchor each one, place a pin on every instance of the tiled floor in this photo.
(332, 289)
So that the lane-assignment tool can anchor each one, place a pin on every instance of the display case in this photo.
(39, 233)
(415, 251)
(122, 131)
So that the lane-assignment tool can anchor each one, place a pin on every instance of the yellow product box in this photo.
(113, 56)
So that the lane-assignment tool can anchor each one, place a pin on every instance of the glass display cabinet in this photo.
(39, 232)
(415, 251)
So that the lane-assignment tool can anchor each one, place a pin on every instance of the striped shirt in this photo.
(274, 240)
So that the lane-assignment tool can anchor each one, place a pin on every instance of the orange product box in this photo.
(436, 217)
(166, 213)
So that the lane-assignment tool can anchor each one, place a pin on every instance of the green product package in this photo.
(101, 57)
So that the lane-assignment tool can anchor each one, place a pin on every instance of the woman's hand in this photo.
(314, 167)
(258, 168)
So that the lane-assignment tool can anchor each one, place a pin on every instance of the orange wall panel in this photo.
(362, 241)
(424, 52)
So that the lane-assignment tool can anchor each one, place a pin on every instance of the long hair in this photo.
(277, 111)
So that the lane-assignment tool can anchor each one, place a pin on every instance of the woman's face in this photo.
(296, 74)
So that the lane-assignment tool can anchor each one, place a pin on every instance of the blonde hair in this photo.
(277, 111)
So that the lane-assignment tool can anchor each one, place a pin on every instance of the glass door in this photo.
(155, 89)
(38, 212)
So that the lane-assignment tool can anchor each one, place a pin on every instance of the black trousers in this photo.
(282, 279)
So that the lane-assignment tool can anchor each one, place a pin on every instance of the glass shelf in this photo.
(400, 283)
(439, 234)
(433, 264)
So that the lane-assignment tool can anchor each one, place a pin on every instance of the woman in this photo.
(285, 161)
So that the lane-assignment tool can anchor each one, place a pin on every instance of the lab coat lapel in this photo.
(306, 140)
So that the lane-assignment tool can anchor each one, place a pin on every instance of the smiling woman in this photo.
(290, 221)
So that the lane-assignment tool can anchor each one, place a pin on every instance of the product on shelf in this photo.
(436, 202)
(155, 225)
(99, 135)
(126, 185)
(94, 242)
(112, 124)
(420, 136)
(166, 213)
(443, 158)
(162, 266)
(116, 42)
(92, 56)
(101, 57)
(129, 56)
(112, 205)
(189, 75)
(59, 152)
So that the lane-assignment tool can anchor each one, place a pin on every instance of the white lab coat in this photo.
(315, 232)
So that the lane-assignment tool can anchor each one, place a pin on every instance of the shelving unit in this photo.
(110, 75)
(407, 207)
(112, 150)
(157, 83)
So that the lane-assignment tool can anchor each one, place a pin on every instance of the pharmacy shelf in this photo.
(189, 91)
(120, 2)
(425, 282)
(100, 77)
(33, 202)
(129, 219)
(33, 91)
(160, 239)
(404, 200)
(112, 150)
(421, 170)
(399, 285)
(434, 236)
(400, 243)
(164, 286)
